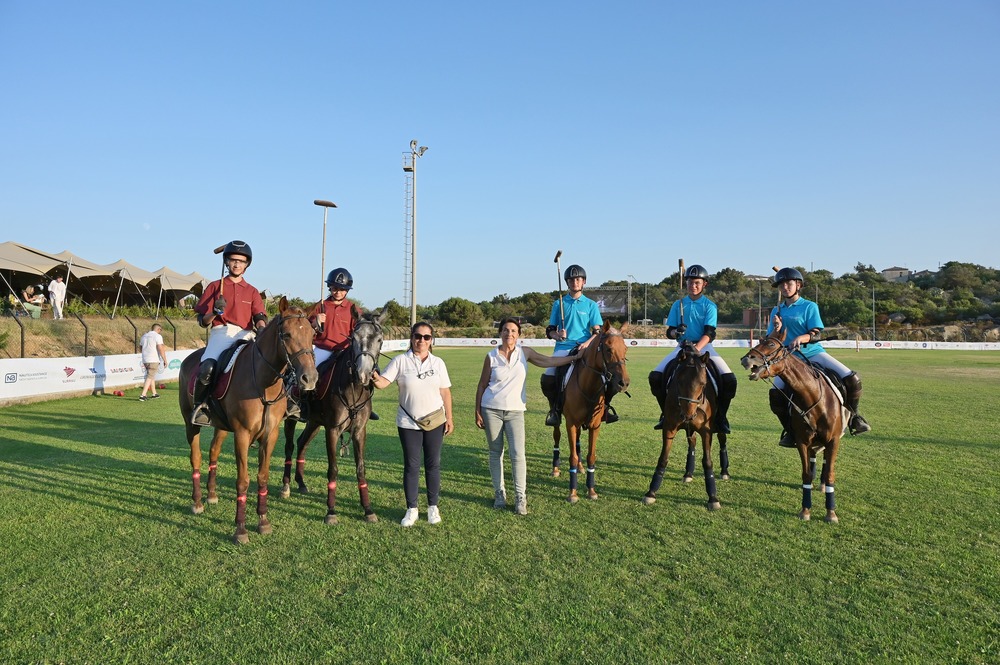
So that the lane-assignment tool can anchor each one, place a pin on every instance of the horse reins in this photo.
(606, 374)
(781, 354)
(286, 372)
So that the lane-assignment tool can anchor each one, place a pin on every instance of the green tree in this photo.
(460, 312)
(398, 315)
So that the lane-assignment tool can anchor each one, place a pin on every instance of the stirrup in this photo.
(200, 417)
(859, 425)
(609, 414)
(553, 419)
(787, 440)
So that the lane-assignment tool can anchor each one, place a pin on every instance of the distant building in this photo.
(896, 274)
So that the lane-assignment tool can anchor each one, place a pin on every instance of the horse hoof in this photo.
(264, 528)
(241, 538)
(649, 500)
(303, 489)
(213, 500)
(555, 472)
(581, 469)
(330, 519)
(372, 518)
(688, 479)
(286, 491)
(725, 476)
(197, 509)
(832, 518)
(714, 505)
(573, 498)
(804, 516)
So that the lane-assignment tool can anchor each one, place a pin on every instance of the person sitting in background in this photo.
(32, 301)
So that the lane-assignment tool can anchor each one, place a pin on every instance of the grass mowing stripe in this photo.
(104, 562)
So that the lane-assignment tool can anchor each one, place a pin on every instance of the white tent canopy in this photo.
(102, 279)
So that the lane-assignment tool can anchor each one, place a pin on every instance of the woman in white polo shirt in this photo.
(501, 400)
(424, 388)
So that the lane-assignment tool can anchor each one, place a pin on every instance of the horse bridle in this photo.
(770, 359)
(288, 371)
(354, 409)
(605, 373)
(691, 400)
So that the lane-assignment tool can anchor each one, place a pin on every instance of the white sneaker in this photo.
(410, 518)
(499, 499)
(433, 515)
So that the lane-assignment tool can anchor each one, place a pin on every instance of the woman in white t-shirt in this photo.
(501, 400)
(424, 388)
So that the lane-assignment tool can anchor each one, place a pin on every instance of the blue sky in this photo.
(628, 135)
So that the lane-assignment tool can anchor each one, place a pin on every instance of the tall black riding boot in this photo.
(858, 424)
(200, 415)
(727, 391)
(779, 407)
(550, 388)
(659, 392)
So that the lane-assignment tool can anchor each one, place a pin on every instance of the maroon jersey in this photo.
(243, 302)
(340, 321)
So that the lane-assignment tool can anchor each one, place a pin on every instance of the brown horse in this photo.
(818, 417)
(345, 405)
(600, 367)
(252, 408)
(690, 405)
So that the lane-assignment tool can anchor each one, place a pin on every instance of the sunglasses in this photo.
(426, 338)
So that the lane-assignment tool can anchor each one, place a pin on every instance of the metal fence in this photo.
(24, 337)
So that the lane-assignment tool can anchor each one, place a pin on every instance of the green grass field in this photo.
(102, 560)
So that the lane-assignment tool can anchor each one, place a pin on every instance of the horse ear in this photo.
(624, 329)
(382, 316)
(283, 304)
(704, 358)
(606, 327)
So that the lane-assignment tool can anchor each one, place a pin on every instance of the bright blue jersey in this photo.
(697, 314)
(582, 314)
(798, 319)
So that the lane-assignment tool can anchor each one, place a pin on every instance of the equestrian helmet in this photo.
(786, 274)
(696, 272)
(238, 247)
(574, 271)
(339, 278)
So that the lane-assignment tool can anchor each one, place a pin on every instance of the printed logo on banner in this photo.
(174, 364)
(69, 371)
(10, 377)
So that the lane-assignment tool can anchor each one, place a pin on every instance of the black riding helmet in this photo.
(238, 247)
(696, 272)
(339, 278)
(786, 274)
(574, 271)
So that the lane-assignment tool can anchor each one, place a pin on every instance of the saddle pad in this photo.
(222, 381)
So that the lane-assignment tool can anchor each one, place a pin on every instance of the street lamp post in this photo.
(873, 311)
(629, 297)
(415, 152)
(326, 205)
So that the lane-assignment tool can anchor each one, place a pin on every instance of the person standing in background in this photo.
(57, 296)
(153, 351)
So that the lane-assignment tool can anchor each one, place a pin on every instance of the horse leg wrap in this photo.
(831, 502)
(261, 502)
(555, 456)
(300, 469)
(689, 467)
(196, 482)
(331, 497)
(572, 479)
(812, 467)
(724, 458)
(654, 484)
(363, 492)
(710, 485)
(241, 510)
(807, 496)
(590, 478)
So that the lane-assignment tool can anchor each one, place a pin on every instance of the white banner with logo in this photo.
(31, 377)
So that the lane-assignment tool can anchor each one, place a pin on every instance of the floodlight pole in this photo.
(629, 298)
(411, 167)
(326, 205)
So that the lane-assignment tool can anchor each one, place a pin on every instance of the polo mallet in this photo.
(219, 250)
(562, 314)
(680, 265)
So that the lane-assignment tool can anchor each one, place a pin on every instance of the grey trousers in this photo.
(498, 424)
